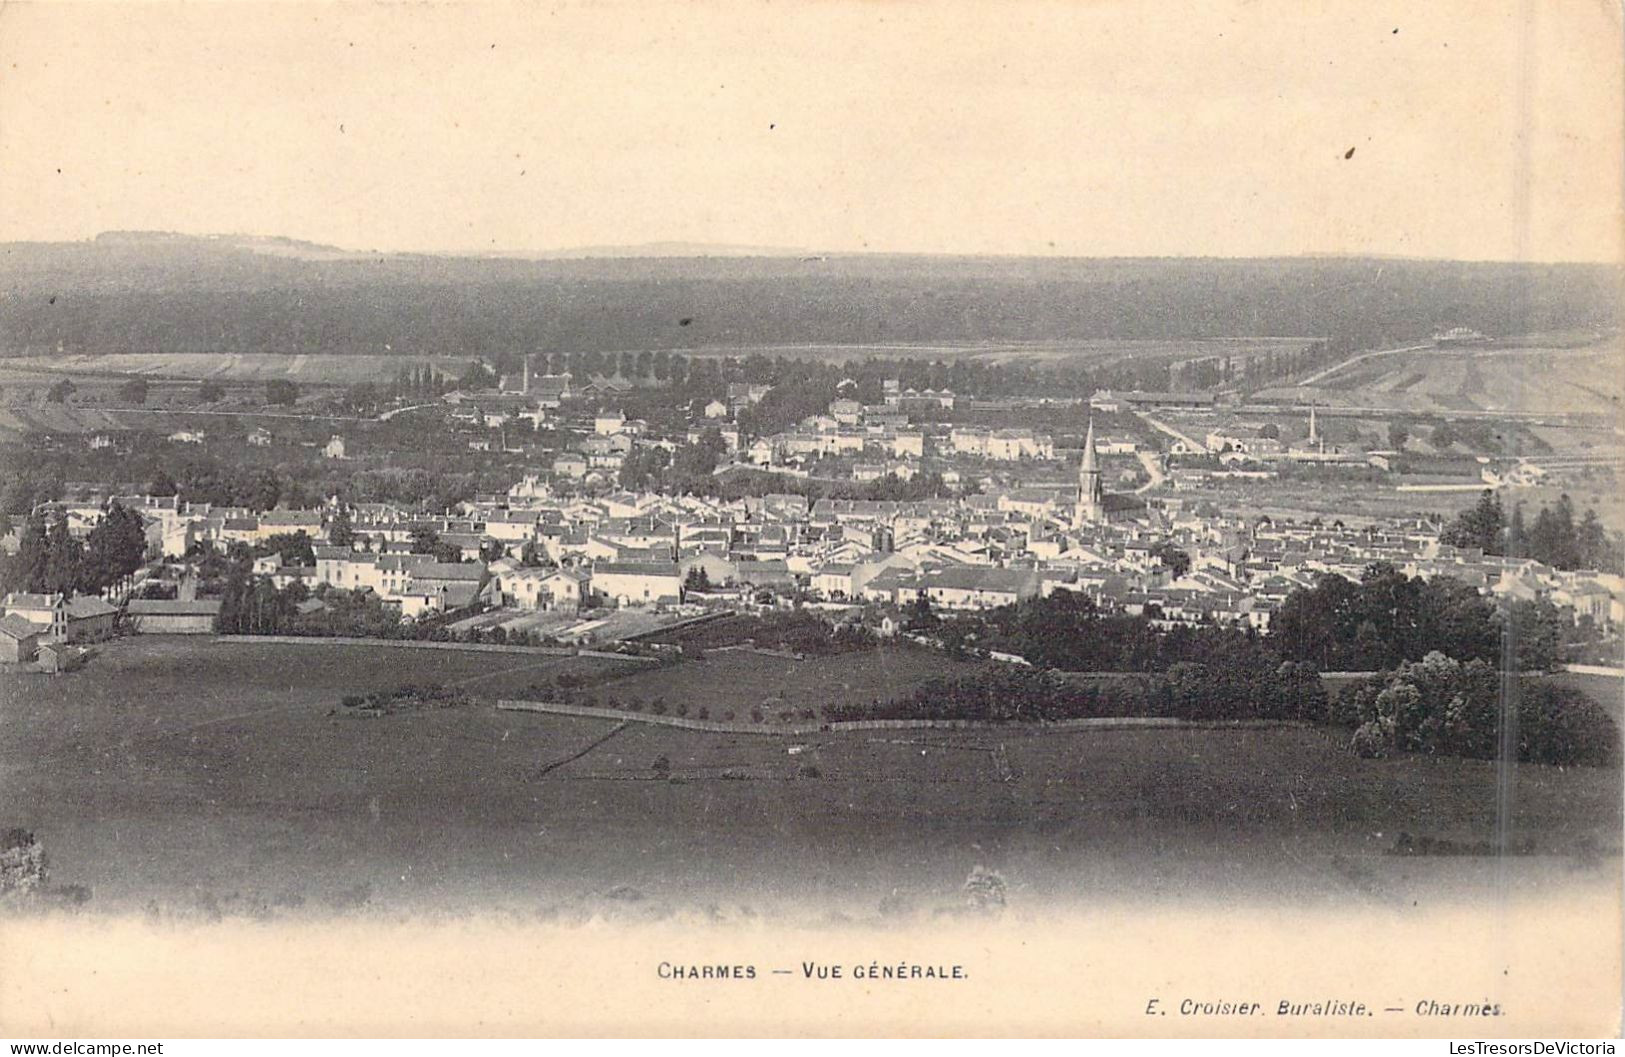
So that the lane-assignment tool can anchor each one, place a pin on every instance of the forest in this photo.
(135, 293)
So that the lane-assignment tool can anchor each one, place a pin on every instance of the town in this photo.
(1122, 498)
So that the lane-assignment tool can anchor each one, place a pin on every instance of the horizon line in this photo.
(740, 251)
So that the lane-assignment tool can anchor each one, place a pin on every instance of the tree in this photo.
(340, 532)
(115, 548)
(134, 391)
(281, 392)
(210, 392)
(697, 579)
(161, 485)
(1536, 631)
(1398, 436)
(1482, 526)
(25, 570)
(59, 391)
(260, 491)
(1177, 561)
(920, 616)
(476, 376)
(424, 540)
(62, 558)
(294, 547)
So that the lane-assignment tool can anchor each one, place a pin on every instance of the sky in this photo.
(1480, 130)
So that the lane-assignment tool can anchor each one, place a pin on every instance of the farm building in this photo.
(158, 616)
(19, 639)
(89, 619)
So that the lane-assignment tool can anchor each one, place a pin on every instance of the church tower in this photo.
(1091, 507)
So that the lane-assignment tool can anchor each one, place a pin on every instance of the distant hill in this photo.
(157, 293)
(660, 249)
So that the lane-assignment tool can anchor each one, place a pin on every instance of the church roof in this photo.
(1090, 465)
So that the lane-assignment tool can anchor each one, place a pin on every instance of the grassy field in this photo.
(738, 680)
(212, 779)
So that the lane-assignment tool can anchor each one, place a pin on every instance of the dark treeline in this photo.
(1554, 536)
(180, 295)
(423, 471)
(1436, 706)
(1003, 693)
(49, 558)
(1388, 618)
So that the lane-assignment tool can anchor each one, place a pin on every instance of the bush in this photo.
(704, 713)
(1370, 742)
(808, 770)
(756, 715)
(658, 708)
(661, 766)
(352, 701)
(1560, 725)
(1357, 702)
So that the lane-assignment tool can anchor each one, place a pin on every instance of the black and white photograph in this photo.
(816, 518)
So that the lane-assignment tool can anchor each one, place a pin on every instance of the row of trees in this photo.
(1006, 693)
(1382, 621)
(50, 558)
(1555, 537)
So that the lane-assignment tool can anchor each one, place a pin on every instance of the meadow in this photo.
(737, 681)
(1525, 379)
(191, 777)
(299, 368)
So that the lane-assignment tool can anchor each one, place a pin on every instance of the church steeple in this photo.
(1090, 509)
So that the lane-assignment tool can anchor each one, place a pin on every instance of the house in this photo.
(570, 464)
(846, 412)
(833, 580)
(607, 422)
(457, 584)
(638, 583)
(334, 448)
(716, 409)
(19, 639)
(55, 657)
(260, 437)
(565, 589)
(530, 588)
(47, 612)
(156, 616)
